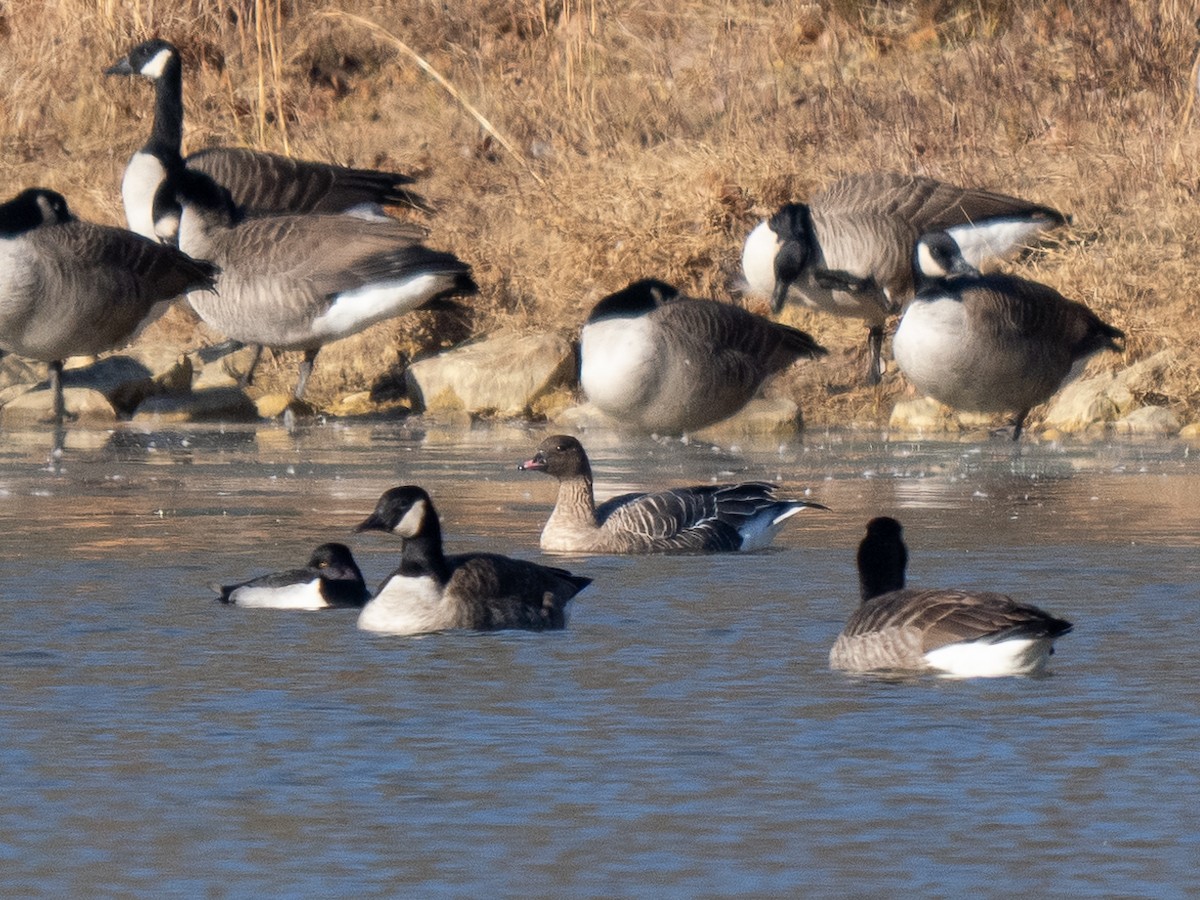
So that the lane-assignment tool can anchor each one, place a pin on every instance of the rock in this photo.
(777, 417)
(927, 414)
(175, 381)
(1190, 432)
(222, 370)
(86, 405)
(209, 405)
(502, 375)
(20, 374)
(106, 375)
(1106, 398)
(582, 417)
(272, 406)
(1149, 420)
(363, 403)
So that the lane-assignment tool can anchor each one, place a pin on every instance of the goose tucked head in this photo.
(636, 299)
(405, 511)
(33, 208)
(150, 59)
(882, 558)
(559, 455)
(210, 201)
(937, 256)
(793, 228)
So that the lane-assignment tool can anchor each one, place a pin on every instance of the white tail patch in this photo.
(981, 659)
(352, 311)
(995, 240)
(758, 533)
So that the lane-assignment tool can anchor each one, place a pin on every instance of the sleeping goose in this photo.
(703, 519)
(297, 282)
(259, 182)
(330, 579)
(991, 343)
(660, 362)
(848, 251)
(434, 592)
(964, 634)
(73, 288)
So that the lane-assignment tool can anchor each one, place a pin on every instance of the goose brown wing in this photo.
(329, 254)
(704, 518)
(926, 203)
(265, 183)
(491, 592)
(949, 616)
(1007, 304)
(708, 324)
(130, 264)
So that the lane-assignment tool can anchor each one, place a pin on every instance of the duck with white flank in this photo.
(73, 288)
(298, 282)
(704, 519)
(991, 343)
(956, 633)
(848, 251)
(660, 362)
(434, 592)
(330, 579)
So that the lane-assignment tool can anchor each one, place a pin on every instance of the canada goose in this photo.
(297, 282)
(330, 579)
(965, 634)
(434, 592)
(70, 288)
(259, 182)
(704, 519)
(661, 362)
(991, 343)
(849, 250)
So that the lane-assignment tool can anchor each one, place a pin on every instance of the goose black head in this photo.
(937, 257)
(636, 299)
(150, 59)
(33, 208)
(406, 511)
(882, 558)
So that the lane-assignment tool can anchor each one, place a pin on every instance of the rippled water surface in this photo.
(683, 736)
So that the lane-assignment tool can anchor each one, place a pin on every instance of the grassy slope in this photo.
(649, 136)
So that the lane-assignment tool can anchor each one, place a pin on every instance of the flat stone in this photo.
(761, 417)
(16, 372)
(84, 404)
(1149, 420)
(222, 371)
(501, 375)
(581, 417)
(209, 405)
(362, 403)
(106, 375)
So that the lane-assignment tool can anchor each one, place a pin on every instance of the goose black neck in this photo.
(882, 559)
(166, 138)
(422, 554)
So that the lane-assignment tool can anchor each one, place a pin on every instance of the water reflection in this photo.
(684, 732)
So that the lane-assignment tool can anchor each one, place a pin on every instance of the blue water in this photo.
(683, 736)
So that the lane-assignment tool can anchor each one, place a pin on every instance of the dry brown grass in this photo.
(647, 137)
